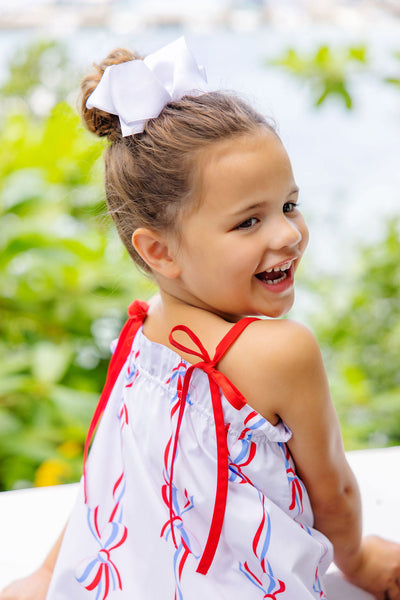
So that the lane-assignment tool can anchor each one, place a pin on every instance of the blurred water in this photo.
(347, 164)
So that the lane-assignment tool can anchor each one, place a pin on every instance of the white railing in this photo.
(31, 520)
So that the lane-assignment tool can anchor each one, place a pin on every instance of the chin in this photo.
(279, 311)
(276, 314)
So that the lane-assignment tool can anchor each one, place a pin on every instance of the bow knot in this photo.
(103, 555)
(99, 571)
(218, 381)
(138, 310)
(138, 90)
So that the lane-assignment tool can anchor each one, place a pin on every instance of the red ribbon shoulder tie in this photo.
(218, 382)
(137, 312)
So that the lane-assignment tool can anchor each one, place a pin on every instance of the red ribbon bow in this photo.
(218, 381)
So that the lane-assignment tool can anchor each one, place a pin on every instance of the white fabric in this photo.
(138, 90)
(31, 519)
(267, 537)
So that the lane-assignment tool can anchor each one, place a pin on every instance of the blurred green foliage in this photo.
(40, 75)
(65, 282)
(33, 65)
(360, 336)
(325, 70)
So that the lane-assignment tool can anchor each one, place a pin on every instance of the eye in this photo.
(248, 223)
(289, 207)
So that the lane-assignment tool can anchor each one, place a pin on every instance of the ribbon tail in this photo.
(222, 483)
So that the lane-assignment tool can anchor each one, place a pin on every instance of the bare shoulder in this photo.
(281, 332)
(270, 363)
(279, 345)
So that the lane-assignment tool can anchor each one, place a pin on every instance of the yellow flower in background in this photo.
(70, 449)
(52, 472)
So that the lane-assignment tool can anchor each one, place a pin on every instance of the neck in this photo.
(179, 304)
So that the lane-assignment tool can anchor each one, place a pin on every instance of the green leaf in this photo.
(327, 71)
(50, 361)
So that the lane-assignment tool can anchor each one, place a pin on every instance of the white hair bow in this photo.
(138, 90)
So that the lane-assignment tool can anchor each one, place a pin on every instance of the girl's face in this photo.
(242, 244)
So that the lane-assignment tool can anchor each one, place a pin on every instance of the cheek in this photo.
(197, 259)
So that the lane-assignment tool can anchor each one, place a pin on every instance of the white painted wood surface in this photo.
(31, 520)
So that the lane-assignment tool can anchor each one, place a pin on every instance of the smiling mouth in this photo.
(276, 274)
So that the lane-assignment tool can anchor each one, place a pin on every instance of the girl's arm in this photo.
(35, 585)
(296, 381)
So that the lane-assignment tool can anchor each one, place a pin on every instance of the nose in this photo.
(284, 233)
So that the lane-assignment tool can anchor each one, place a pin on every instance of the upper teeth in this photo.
(283, 267)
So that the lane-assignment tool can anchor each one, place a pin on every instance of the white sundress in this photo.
(189, 493)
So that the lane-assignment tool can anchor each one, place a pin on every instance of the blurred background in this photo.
(328, 72)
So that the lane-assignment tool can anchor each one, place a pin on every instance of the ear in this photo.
(155, 250)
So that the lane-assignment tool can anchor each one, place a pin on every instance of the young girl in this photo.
(217, 470)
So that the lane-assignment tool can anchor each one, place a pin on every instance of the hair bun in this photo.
(98, 121)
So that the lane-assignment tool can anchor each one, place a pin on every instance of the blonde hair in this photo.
(150, 177)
